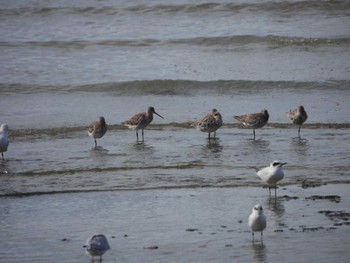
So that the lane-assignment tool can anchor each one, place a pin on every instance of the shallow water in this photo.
(179, 225)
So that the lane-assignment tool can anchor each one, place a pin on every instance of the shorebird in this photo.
(272, 174)
(210, 123)
(254, 120)
(141, 121)
(298, 116)
(257, 220)
(4, 140)
(97, 129)
(96, 246)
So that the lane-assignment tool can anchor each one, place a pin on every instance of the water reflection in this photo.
(259, 252)
(142, 147)
(99, 150)
(300, 147)
(257, 144)
(274, 211)
(214, 145)
(275, 205)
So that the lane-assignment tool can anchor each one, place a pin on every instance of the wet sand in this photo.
(310, 224)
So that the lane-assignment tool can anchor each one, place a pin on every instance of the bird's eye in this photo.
(256, 208)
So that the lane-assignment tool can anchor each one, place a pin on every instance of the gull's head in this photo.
(258, 209)
(4, 127)
(277, 163)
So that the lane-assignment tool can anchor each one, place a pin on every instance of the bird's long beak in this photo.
(158, 115)
(283, 164)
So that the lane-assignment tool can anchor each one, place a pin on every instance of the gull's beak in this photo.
(283, 164)
(158, 114)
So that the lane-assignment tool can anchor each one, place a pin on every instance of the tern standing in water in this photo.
(257, 220)
(272, 174)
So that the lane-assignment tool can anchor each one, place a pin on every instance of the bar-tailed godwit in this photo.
(141, 121)
(254, 120)
(97, 129)
(210, 123)
(298, 116)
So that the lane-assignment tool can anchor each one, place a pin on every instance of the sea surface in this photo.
(65, 63)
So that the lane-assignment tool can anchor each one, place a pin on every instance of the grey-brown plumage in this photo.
(4, 140)
(298, 116)
(141, 121)
(96, 246)
(97, 129)
(210, 123)
(254, 120)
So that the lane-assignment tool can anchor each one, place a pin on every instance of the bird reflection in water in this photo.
(259, 252)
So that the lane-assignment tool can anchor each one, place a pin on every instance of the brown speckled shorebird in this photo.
(254, 120)
(298, 116)
(210, 123)
(97, 129)
(141, 121)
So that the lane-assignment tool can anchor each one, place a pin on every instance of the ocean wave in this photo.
(167, 87)
(282, 7)
(272, 41)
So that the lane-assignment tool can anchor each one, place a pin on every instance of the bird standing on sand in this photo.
(141, 121)
(96, 246)
(210, 123)
(97, 129)
(4, 140)
(254, 120)
(257, 220)
(272, 174)
(298, 116)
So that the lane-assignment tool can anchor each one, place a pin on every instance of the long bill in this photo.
(158, 114)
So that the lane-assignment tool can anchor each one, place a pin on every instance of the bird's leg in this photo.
(95, 143)
(209, 136)
(214, 134)
(299, 131)
(269, 190)
(254, 134)
(142, 136)
(100, 259)
(137, 135)
(252, 236)
(261, 236)
(2, 155)
(275, 190)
